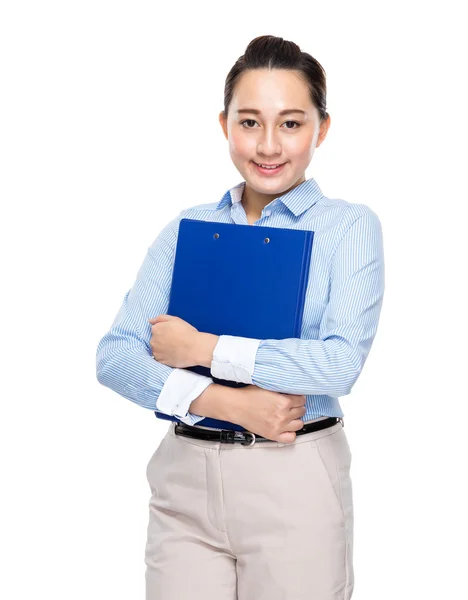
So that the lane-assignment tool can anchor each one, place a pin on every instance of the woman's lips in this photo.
(264, 171)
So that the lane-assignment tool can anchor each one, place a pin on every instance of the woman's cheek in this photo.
(240, 146)
(302, 149)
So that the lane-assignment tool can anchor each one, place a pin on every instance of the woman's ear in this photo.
(223, 123)
(323, 131)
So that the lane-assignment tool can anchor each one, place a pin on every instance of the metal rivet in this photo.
(216, 236)
(267, 240)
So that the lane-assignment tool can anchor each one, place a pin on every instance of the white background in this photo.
(109, 128)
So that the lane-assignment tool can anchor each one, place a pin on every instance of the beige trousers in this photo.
(272, 521)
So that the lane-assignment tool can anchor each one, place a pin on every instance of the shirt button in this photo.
(268, 213)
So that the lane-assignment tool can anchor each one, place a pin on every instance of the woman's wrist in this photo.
(205, 345)
(219, 402)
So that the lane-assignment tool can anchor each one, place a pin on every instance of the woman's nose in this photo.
(269, 144)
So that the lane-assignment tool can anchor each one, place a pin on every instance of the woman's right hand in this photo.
(273, 415)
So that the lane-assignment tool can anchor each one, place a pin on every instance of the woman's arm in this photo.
(331, 364)
(124, 359)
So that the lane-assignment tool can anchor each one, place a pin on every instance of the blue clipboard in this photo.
(240, 280)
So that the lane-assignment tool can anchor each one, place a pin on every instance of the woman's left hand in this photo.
(173, 341)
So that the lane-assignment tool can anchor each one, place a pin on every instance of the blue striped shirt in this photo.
(342, 308)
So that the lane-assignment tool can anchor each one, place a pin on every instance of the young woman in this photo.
(263, 510)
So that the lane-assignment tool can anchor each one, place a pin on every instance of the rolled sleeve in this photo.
(179, 391)
(234, 358)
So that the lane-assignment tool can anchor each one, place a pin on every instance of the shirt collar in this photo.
(297, 200)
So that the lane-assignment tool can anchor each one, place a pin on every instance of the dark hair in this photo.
(271, 52)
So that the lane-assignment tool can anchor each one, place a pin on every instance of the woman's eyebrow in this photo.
(282, 112)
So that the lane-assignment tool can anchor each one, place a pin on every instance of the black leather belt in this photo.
(246, 438)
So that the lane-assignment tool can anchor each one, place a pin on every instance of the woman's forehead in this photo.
(266, 94)
(261, 85)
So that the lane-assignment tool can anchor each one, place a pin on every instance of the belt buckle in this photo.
(252, 439)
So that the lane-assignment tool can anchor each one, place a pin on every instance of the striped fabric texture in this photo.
(342, 309)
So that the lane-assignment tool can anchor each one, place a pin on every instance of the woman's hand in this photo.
(173, 341)
(273, 415)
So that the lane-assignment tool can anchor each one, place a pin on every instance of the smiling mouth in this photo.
(269, 166)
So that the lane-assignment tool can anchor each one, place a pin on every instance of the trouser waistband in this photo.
(246, 438)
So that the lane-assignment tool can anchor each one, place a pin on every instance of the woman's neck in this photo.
(254, 202)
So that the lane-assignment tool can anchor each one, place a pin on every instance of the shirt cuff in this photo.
(179, 390)
(234, 358)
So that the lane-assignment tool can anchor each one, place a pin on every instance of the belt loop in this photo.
(227, 435)
(341, 420)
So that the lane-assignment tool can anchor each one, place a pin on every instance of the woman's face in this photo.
(258, 133)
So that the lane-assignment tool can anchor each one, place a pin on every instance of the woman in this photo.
(235, 516)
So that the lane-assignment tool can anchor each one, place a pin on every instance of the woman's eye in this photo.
(248, 121)
(252, 121)
(295, 122)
